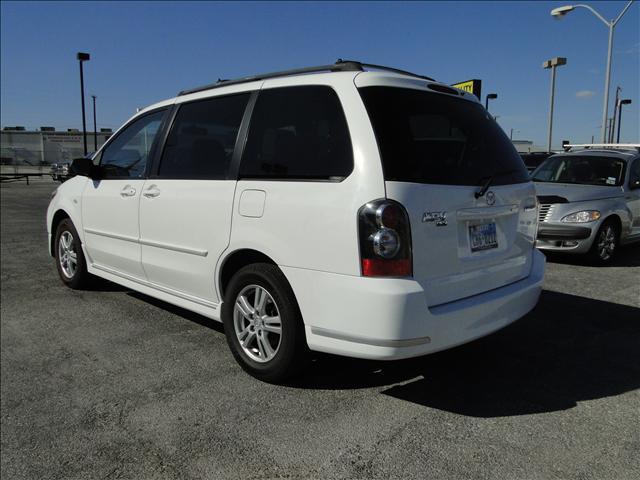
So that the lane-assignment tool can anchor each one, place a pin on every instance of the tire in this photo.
(263, 353)
(67, 245)
(605, 244)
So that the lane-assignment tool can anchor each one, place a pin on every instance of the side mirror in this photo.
(83, 167)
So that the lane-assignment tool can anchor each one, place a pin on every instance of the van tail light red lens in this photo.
(385, 239)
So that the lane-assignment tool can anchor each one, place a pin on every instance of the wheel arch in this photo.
(60, 215)
(236, 260)
(616, 220)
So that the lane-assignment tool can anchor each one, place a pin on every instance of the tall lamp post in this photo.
(561, 12)
(95, 129)
(616, 103)
(491, 96)
(626, 101)
(83, 57)
(552, 64)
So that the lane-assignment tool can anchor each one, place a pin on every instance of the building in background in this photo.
(20, 147)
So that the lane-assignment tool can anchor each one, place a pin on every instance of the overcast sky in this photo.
(143, 52)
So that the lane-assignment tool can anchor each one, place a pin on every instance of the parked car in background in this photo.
(533, 160)
(60, 171)
(351, 209)
(589, 200)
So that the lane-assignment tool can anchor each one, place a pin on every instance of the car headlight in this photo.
(582, 217)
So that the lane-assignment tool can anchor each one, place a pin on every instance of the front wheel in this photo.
(70, 261)
(263, 324)
(605, 245)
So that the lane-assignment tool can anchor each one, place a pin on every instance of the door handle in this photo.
(128, 191)
(151, 192)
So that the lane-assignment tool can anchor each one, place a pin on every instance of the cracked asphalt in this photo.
(109, 383)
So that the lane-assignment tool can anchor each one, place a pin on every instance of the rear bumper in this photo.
(387, 319)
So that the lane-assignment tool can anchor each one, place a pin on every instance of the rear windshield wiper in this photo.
(487, 183)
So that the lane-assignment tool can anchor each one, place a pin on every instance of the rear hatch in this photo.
(438, 152)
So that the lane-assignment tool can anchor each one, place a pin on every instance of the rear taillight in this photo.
(385, 239)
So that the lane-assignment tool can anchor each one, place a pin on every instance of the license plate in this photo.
(483, 237)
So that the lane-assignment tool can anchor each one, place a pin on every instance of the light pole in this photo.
(626, 101)
(95, 130)
(561, 12)
(612, 130)
(83, 57)
(491, 96)
(552, 64)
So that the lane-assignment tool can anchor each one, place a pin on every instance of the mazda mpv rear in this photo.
(349, 209)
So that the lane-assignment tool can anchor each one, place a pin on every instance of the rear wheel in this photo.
(605, 245)
(70, 261)
(263, 324)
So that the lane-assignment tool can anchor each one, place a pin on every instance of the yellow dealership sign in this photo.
(471, 86)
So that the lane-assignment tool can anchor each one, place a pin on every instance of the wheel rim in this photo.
(67, 255)
(606, 243)
(256, 320)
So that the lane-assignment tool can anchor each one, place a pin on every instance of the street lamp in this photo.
(83, 57)
(491, 96)
(626, 101)
(95, 130)
(561, 12)
(552, 64)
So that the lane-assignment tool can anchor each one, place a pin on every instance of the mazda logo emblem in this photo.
(491, 198)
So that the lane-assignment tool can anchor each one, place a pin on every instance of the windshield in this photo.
(583, 170)
(427, 137)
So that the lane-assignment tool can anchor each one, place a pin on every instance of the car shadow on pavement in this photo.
(569, 349)
(179, 311)
(627, 256)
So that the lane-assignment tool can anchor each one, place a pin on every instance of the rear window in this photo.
(584, 170)
(427, 137)
(298, 133)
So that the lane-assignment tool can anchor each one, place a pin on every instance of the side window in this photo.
(298, 133)
(201, 142)
(127, 155)
(634, 174)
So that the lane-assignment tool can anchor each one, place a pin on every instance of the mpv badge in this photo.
(491, 198)
(440, 218)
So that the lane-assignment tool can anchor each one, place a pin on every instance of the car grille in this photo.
(545, 211)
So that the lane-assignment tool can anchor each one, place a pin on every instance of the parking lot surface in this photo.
(109, 383)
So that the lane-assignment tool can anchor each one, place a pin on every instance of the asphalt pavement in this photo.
(109, 383)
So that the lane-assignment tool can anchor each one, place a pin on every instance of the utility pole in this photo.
(626, 101)
(552, 64)
(561, 12)
(95, 130)
(83, 57)
(612, 131)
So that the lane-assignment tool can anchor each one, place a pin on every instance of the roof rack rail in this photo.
(387, 69)
(611, 146)
(339, 66)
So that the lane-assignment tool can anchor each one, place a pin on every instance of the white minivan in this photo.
(352, 209)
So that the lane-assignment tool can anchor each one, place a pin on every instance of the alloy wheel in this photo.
(257, 323)
(67, 255)
(606, 243)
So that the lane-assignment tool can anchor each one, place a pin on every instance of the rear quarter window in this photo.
(298, 133)
(426, 137)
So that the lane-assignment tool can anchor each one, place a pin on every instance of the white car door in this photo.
(186, 204)
(110, 205)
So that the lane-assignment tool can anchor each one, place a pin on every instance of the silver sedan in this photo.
(589, 201)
